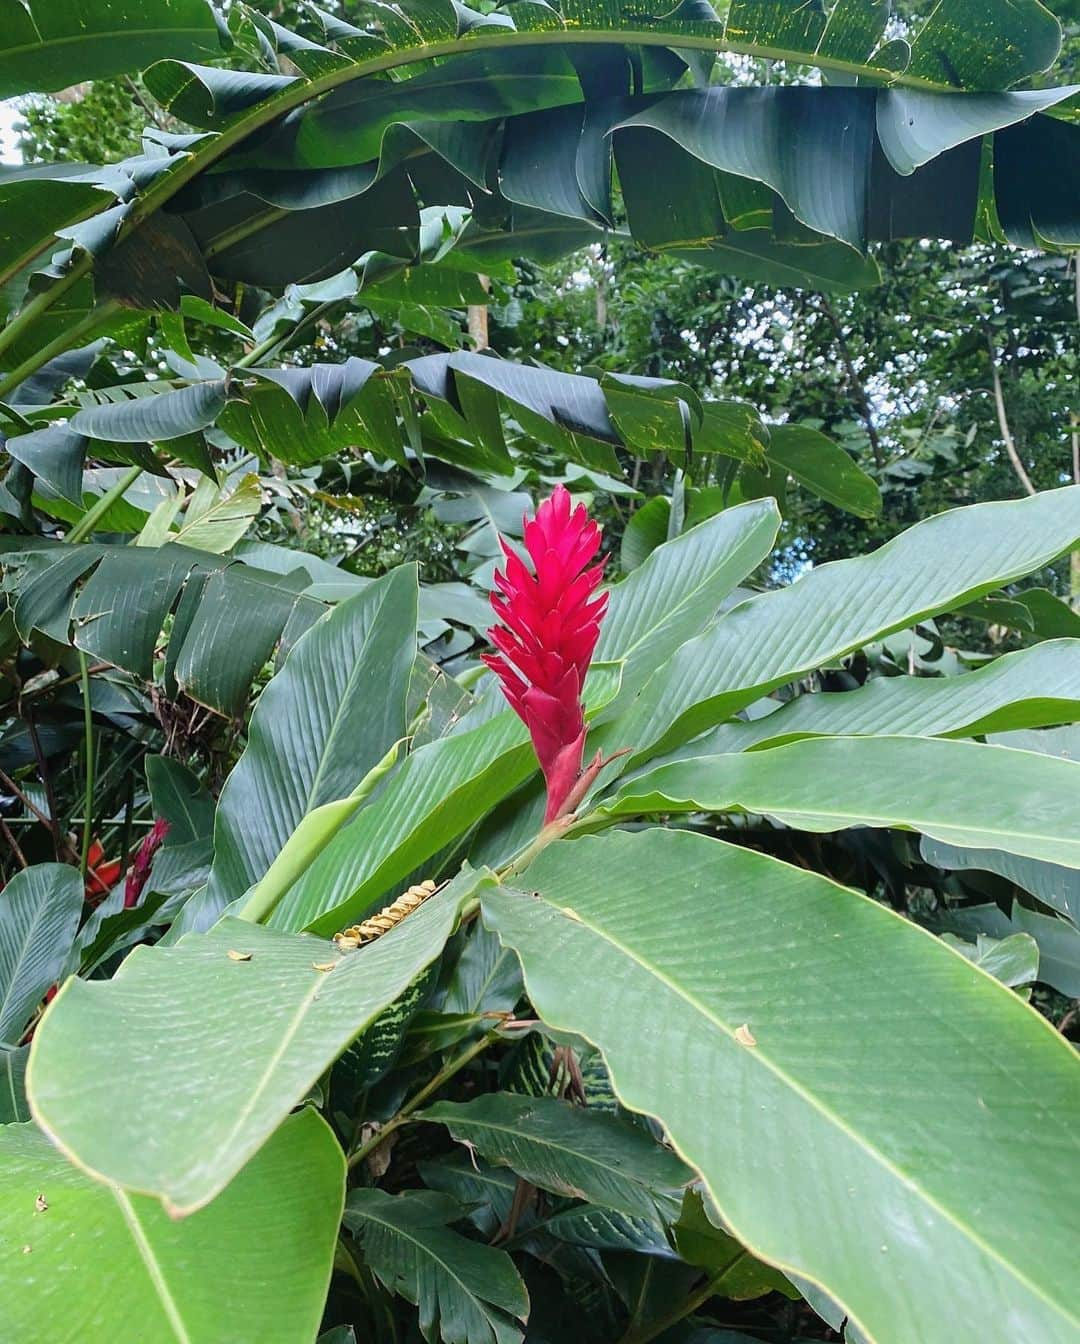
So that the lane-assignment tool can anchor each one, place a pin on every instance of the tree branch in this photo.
(1003, 425)
(856, 386)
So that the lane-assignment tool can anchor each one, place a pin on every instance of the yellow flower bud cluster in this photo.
(359, 934)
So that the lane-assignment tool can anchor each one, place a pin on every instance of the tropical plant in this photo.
(424, 1024)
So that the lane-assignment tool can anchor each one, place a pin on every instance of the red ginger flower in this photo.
(550, 622)
(139, 872)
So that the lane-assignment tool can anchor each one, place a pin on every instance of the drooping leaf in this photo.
(467, 1293)
(260, 1015)
(967, 793)
(39, 913)
(568, 1150)
(1027, 689)
(759, 991)
(1054, 885)
(824, 468)
(103, 1262)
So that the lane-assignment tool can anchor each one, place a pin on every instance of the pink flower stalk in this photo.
(549, 625)
(144, 857)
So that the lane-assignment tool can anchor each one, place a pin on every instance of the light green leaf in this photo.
(965, 793)
(1027, 689)
(99, 1263)
(209, 1051)
(217, 522)
(327, 718)
(39, 914)
(722, 981)
(779, 636)
(440, 790)
(467, 1293)
(679, 588)
(568, 1150)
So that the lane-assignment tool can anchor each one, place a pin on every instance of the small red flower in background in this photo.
(144, 856)
(550, 622)
(101, 877)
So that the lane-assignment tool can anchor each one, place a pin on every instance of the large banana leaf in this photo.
(679, 588)
(209, 1044)
(788, 1011)
(328, 183)
(327, 718)
(101, 1263)
(778, 636)
(964, 793)
(51, 44)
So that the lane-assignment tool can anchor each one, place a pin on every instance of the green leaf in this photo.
(568, 1150)
(229, 617)
(967, 792)
(679, 588)
(326, 719)
(776, 637)
(1014, 960)
(52, 44)
(825, 468)
(1031, 688)
(153, 419)
(36, 202)
(13, 1104)
(467, 1293)
(440, 791)
(723, 981)
(215, 520)
(39, 915)
(1055, 886)
(178, 795)
(699, 1242)
(102, 1263)
(107, 1068)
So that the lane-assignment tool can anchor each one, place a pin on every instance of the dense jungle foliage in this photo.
(540, 672)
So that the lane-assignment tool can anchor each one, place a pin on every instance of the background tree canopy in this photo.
(770, 1036)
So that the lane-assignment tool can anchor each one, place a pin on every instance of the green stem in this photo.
(644, 1333)
(311, 836)
(264, 347)
(90, 519)
(88, 748)
(67, 340)
(447, 1072)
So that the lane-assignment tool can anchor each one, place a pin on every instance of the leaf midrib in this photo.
(810, 1100)
(484, 1305)
(151, 1264)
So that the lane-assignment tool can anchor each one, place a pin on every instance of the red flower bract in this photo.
(550, 622)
